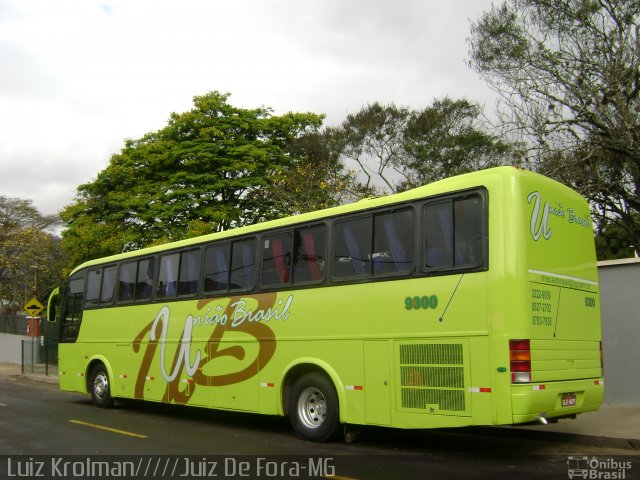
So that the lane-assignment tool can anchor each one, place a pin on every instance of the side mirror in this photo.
(52, 304)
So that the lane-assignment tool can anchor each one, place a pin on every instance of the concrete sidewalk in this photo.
(616, 426)
(38, 375)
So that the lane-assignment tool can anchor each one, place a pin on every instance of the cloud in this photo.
(77, 77)
(23, 74)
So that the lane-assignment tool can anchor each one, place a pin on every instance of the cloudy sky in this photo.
(77, 77)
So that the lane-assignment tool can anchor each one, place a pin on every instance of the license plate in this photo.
(569, 400)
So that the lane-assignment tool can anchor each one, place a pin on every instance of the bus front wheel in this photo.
(100, 387)
(314, 407)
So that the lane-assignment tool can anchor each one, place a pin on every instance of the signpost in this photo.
(33, 307)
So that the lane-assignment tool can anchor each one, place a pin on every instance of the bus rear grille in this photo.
(431, 354)
(445, 399)
(432, 375)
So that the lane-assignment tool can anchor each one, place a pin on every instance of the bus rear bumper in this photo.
(555, 399)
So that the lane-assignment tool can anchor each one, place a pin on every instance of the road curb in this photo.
(34, 378)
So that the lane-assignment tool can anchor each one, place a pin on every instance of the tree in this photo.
(316, 180)
(396, 148)
(373, 141)
(611, 243)
(208, 170)
(568, 74)
(449, 138)
(30, 257)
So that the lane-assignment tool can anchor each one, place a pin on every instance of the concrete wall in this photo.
(620, 310)
(11, 347)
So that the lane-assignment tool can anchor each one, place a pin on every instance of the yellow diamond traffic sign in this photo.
(33, 307)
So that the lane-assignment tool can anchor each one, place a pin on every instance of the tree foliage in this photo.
(396, 148)
(372, 140)
(30, 257)
(317, 179)
(568, 73)
(449, 138)
(212, 168)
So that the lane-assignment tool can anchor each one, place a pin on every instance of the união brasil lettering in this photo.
(583, 221)
(241, 314)
(237, 316)
(541, 213)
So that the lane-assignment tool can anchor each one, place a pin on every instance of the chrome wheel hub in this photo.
(101, 385)
(312, 407)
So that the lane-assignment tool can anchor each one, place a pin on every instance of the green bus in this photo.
(469, 301)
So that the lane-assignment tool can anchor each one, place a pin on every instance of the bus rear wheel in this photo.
(100, 387)
(314, 408)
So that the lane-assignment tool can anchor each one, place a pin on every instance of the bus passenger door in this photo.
(377, 382)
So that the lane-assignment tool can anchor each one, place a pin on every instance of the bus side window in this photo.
(243, 264)
(453, 233)
(276, 259)
(168, 276)
(352, 248)
(216, 267)
(189, 272)
(438, 235)
(92, 295)
(72, 310)
(144, 280)
(127, 281)
(393, 242)
(468, 240)
(309, 262)
(108, 284)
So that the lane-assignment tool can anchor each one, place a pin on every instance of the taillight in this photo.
(520, 360)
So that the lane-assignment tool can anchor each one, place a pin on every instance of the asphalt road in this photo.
(37, 419)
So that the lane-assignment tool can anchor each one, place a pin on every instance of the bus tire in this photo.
(100, 387)
(314, 412)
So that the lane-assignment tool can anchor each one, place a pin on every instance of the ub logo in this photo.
(539, 226)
